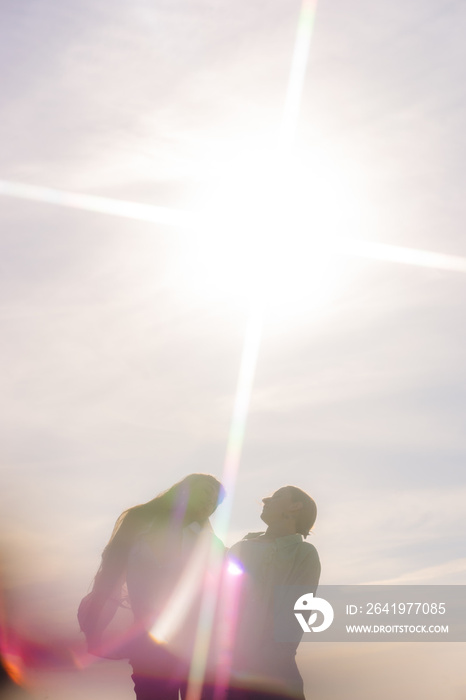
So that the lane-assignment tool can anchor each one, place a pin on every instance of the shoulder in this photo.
(308, 549)
(252, 536)
(309, 554)
(247, 546)
(247, 540)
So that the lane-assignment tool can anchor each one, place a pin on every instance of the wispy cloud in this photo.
(450, 572)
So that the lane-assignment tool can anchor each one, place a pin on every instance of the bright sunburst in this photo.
(267, 226)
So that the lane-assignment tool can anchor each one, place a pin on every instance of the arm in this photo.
(307, 569)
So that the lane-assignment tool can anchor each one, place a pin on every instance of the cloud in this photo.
(450, 572)
(391, 534)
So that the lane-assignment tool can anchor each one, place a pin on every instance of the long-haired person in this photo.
(156, 560)
(263, 668)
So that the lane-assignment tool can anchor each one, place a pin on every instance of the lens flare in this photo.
(103, 205)
(249, 359)
(234, 568)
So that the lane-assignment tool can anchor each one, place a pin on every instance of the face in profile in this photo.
(277, 507)
(203, 500)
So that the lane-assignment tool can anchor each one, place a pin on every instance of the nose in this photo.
(265, 500)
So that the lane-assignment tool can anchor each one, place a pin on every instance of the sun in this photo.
(269, 227)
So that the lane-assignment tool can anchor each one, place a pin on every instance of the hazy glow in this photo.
(399, 254)
(269, 227)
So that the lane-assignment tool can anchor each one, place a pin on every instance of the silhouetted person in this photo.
(262, 667)
(156, 560)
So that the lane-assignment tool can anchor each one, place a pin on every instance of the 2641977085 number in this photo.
(405, 608)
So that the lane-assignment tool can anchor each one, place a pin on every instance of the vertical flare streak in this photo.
(249, 356)
(295, 86)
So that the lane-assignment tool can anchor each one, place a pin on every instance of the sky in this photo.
(122, 339)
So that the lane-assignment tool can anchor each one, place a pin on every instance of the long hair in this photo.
(169, 508)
